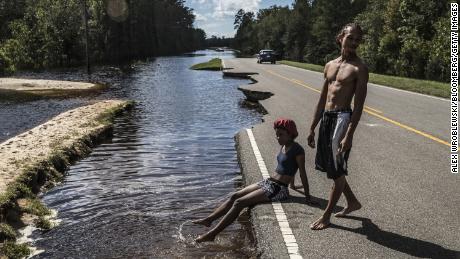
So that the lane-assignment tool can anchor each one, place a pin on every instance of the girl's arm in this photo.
(303, 175)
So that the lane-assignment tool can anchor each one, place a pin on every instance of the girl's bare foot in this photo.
(321, 223)
(204, 238)
(204, 222)
(350, 208)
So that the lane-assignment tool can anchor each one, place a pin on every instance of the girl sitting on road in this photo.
(290, 158)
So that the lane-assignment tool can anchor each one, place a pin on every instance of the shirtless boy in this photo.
(344, 78)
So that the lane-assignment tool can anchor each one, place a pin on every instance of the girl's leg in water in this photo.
(250, 199)
(224, 207)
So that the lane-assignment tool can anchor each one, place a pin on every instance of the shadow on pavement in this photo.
(316, 202)
(403, 244)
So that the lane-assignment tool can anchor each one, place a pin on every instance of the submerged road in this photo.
(399, 168)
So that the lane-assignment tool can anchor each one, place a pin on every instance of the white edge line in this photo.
(383, 86)
(288, 237)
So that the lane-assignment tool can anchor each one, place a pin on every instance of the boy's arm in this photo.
(360, 97)
(303, 175)
(319, 109)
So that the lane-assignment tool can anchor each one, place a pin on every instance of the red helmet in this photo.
(288, 125)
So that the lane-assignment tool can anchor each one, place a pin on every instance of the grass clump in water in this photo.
(43, 223)
(14, 251)
(35, 207)
(213, 64)
(13, 192)
(7, 232)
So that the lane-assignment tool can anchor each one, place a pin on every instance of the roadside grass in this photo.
(414, 85)
(312, 67)
(213, 64)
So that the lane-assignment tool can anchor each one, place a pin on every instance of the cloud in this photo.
(216, 17)
(218, 29)
(198, 1)
(200, 17)
(224, 8)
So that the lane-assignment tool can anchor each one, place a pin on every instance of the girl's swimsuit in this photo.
(273, 189)
(287, 165)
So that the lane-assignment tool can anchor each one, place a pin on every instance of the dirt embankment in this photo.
(54, 137)
(37, 159)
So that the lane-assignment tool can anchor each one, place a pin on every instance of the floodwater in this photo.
(172, 159)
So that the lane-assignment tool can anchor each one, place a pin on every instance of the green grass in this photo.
(12, 250)
(414, 85)
(213, 64)
(36, 207)
(14, 191)
(7, 232)
(43, 223)
(108, 116)
(313, 67)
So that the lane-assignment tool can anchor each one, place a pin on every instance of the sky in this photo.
(216, 17)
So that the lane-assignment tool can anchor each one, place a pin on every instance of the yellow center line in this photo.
(409, 128)
(294, 81)
(371, 111)
(311, 88)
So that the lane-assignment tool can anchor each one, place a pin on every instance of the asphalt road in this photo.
(399, 168)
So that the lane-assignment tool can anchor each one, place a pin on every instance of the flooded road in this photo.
(171, 160)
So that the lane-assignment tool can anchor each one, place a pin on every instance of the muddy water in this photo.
(171, 160)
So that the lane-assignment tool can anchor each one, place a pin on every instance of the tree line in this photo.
(407, 38)
(215, 41)
(51, 33)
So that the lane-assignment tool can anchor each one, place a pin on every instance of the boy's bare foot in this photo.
(320, 223)
(204, 222)
(350, 208)
(204, 238)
